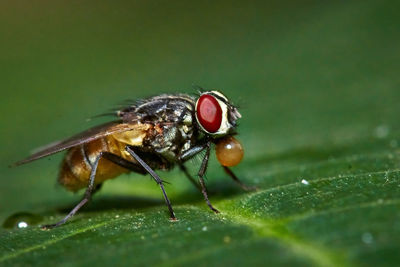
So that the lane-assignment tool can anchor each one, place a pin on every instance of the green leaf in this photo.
(319, 87)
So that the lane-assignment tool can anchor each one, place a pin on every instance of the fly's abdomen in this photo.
(78, 162)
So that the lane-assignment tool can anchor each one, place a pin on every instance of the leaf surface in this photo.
(318, 88)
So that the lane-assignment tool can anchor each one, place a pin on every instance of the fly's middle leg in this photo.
(155, 177)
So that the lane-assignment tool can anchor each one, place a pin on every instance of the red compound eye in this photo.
(209, 113)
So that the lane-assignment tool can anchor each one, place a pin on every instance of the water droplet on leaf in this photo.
(367, 238)
(382, 131)
(304, 181)
(22, 225)
(22, 220)
(227, 239)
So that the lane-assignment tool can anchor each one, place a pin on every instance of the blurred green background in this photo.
(317, 83)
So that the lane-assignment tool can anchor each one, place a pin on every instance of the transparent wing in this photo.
(81, 138)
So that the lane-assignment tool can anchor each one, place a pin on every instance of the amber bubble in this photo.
(229, 151)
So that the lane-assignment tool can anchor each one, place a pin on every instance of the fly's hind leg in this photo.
(88, 194)
(91, 188)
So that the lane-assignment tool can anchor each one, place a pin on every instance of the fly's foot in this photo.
(48, 226)
(249, 188)
(214, 209)
(173, 219)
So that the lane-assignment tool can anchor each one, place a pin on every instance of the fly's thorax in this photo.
(169, 140)
(163, 108)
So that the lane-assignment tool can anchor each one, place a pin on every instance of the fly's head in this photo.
(216, 117)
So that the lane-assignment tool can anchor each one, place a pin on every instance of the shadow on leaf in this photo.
(217, 190)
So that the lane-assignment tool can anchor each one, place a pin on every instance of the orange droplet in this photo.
(229, 151)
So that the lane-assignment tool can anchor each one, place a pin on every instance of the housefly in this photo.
(152, 134)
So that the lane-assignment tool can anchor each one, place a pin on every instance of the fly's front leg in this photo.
(201, 173)
(156, 178)
(190, 153)
(191, 179)
(236, 179)
(187, 155)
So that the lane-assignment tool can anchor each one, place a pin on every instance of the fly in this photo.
(153, 134)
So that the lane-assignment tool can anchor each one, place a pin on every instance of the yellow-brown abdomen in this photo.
(78, 162)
